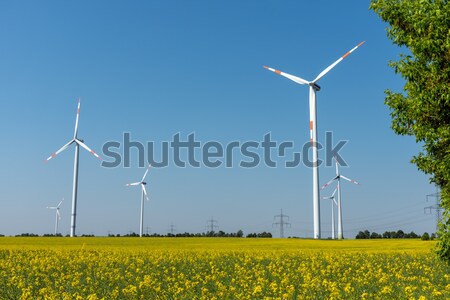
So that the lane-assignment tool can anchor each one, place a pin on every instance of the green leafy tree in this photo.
(422, 110)
(360, 235)
(375, 235)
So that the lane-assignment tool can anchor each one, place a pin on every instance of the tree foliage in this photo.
(366, 234)
(260, 235)
(425, 237)
(422, 110)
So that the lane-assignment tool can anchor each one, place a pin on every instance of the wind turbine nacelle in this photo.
(315, 86)
(143, 182)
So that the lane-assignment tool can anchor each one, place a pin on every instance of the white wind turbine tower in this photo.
(313, 88)
(58, 215)
(339, 203)
(142, 183)
(77, 143)
(333, 203)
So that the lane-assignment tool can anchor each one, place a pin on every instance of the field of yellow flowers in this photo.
(214, 268)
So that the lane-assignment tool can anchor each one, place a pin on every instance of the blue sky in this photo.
(157, 68)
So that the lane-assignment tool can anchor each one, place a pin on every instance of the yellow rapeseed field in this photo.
(215, 268)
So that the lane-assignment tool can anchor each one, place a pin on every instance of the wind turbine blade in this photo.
(59, 204)
(335, 63)
(289, 76)
(76, 120)
(87, 148)
(337, 166)
(351, 180)
(334, 200)
(60, 150)
(326, 198)
(134, 183)
(335, 190)
(57, 213)
(145, 192)
(51, 207)
(328, 183)
(145, 174)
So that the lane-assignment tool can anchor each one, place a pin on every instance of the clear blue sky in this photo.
(156, 68)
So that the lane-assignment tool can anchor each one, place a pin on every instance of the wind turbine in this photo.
(142, 183)
(313, 88)
(333, 202)
(75, 140)
(58, 216)
(339, 205)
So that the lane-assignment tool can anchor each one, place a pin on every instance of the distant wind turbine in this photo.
(339, 204)
(333, 203)
(57, 215)
(313, 88)
(77, 143)
(142, 183)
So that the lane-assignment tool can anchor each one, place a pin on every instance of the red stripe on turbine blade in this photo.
(97, 155)
(345, 55)
(278, 72)
(54, 154)
(361, 43)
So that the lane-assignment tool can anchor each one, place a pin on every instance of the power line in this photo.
(393, 213)
(390, 226)
(281, 222)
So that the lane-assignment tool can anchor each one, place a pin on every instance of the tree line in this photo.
(399, 234)
(220, 233)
